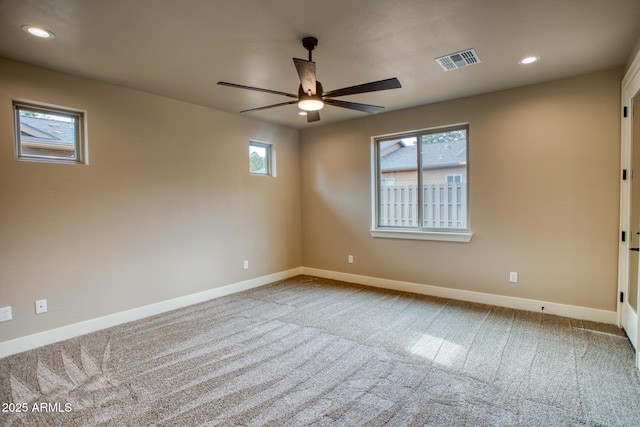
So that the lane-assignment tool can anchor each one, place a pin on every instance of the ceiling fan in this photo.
(311, 97)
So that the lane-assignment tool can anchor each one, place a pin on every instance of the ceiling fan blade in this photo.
(366, 108)
(269, 106)
(313, 116)
(392, 83)
(307, 73)
(275, 92)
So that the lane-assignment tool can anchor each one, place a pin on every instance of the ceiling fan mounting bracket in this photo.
(310, 43)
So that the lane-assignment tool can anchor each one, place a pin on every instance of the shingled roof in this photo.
(46, 131)
(435, 155)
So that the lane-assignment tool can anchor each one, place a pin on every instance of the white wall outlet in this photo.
(5, 314)
(246, 264)
(513, 277)
(350, 259)
(41, 306)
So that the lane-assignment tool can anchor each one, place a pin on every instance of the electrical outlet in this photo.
(350, 259)
(246, 264)
(41, 306)
(5, 314)
(513, 277)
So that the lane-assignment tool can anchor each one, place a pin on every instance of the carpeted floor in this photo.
(315, 352)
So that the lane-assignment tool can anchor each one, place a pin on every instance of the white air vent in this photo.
(458, 60)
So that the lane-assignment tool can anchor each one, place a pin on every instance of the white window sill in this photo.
(443, 236)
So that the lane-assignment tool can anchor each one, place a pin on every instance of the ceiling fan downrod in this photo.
(310, 43)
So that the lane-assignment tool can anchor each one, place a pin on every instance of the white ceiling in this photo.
(181, 48)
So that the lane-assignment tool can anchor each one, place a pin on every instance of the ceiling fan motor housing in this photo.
(308, 102)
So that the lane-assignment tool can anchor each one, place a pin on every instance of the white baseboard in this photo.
(40, 339)
(575, 312)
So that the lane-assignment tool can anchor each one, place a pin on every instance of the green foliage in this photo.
(438, 138)
(256, 163)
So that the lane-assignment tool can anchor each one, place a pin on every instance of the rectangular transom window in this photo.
(421, 185)
(260, 159)
(49, 134)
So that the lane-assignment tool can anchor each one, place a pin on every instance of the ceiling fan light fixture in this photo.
(311, 104)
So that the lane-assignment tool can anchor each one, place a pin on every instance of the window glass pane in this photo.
(259, 162)
(444, 179)
(398, 189)
(422, 181)
(47, 134)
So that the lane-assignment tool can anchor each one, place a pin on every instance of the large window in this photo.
(421, 185)
(49, 134)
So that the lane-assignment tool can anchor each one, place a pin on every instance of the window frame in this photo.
(269, 158)
(415, 233)
(80, 138)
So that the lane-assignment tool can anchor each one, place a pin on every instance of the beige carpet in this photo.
(315, 352)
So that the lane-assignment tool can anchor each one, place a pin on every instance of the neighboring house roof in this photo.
(436, 155)
(387, 147)
(46, 131)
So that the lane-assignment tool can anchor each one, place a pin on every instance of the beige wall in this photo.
(544, 185)
(165, 208)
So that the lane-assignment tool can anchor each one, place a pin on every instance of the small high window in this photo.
(49, 134)
(260, 158)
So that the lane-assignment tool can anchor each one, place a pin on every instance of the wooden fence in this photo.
(444, 205)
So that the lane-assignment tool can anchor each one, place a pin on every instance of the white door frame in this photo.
(630, 87)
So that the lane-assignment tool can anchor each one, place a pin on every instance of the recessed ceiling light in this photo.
(529, 60)
(302, 113)
(38, 32)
